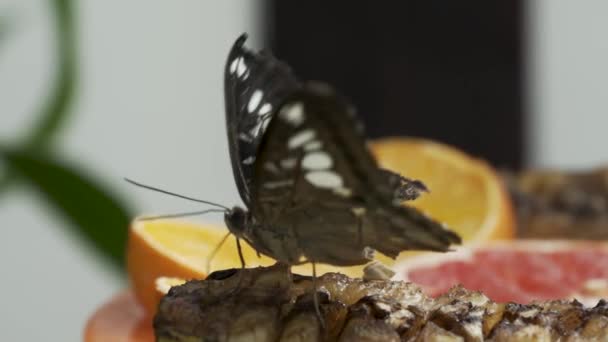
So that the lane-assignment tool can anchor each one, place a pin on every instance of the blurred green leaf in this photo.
(96, 215)
(55, 110)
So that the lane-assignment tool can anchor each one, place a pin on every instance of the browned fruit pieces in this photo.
(270, 304)
(558, 204)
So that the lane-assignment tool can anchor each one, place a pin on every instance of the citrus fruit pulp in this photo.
(518, 271)
(466, 193)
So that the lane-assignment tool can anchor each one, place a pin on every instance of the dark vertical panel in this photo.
(450, 71)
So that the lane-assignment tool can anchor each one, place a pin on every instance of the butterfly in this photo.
(312, 190)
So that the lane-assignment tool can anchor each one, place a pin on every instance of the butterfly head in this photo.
(238, 221)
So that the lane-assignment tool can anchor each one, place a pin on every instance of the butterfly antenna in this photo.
(214, 252)
(190, 213)
(176, 195)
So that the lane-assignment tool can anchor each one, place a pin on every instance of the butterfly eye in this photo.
(236, 221)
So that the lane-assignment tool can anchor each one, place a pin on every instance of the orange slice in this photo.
(162, 248)
(466, 193)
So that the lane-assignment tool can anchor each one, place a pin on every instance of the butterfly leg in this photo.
(315, 296)
(239, 283)
(359, 231)
(214, 252)
(239, 249)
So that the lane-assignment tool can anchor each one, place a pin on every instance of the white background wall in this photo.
(568, 96)
(150, 107)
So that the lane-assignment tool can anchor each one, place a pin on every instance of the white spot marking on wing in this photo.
(265, 123)
(293, 114)
(244, 137)
(233, 64)
(270, 167)
(249, 160)
(344, 192)
(254, 100)
(317, 161)
(278, 184)
(358, 211)
(259, 127)
(288, 163)
(241, 67)
(313, 146)
(300, 138)
(265, 109)
(324, 179)
(255, 129)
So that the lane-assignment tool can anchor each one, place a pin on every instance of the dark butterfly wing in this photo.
(254, 85)
(316, 181)
(405, 189)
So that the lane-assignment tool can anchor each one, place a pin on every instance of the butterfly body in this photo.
(265, 238)
(313, 191)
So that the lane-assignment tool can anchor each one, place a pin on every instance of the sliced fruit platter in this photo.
(469, 196)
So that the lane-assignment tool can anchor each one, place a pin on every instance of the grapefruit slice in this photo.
(518, 271)
(121, 319)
